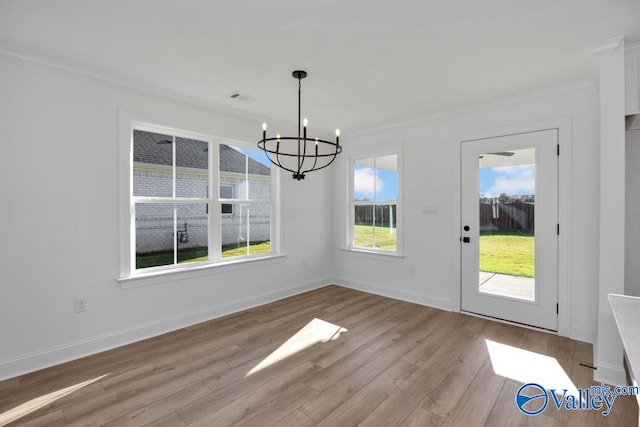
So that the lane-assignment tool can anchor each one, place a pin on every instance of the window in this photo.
(246, 219)
(374, 215)
(226, 192)
(171, 222)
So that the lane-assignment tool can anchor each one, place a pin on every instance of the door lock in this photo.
(466, 239)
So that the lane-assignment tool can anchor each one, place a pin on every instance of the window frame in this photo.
(351, 203)
(134, 121)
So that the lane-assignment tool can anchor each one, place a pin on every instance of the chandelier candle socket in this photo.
(291, 154)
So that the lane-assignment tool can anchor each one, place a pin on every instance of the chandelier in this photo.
(300, 154)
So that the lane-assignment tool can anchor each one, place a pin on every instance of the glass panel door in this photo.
(507, 195)
(509, 218)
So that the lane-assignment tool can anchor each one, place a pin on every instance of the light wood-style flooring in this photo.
(331, 357)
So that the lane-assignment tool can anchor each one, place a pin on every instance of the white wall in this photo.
(632, 221)
(64, 230)
(608, 353)
(59, 212)
(431, 239)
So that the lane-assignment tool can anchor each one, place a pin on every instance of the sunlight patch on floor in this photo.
(529, 367)
(42, 401)
(315, 332)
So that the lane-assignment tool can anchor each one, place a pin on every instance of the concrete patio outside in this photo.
(507, 286)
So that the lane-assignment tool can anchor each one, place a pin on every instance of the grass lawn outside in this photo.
(254, 248)
(199, 254)
(385, 237)
(505, 253)
(512, 254)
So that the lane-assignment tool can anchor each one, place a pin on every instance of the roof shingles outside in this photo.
(156, 149)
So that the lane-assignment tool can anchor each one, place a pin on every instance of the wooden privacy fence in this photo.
(513, 215)
(385, 215)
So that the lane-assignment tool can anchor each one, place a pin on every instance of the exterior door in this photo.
(509, 228)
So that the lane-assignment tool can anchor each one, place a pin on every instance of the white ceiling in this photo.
(371, 62)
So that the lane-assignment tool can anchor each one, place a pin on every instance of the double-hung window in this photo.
(246, 209)
(176, 220)
(375, 214)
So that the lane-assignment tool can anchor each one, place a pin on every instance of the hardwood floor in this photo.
(330, 357)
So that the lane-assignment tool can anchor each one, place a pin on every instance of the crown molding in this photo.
(607, 47)
(577, 86)
(632, 48)
(43, 62)
(46, 63)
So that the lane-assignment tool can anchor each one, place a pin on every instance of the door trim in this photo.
(535, 151)
(563, 124)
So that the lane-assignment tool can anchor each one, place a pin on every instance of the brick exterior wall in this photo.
(154, 222)
(234, 226)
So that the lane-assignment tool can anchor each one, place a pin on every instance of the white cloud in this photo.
(512, 170)
(366, 182)
(513, 180)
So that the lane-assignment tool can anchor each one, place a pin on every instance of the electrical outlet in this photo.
(81, 304)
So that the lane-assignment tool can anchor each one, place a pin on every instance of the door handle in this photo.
(466, 240)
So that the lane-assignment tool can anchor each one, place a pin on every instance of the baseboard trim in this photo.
(609, 374)
(52, 356)
(440, 303)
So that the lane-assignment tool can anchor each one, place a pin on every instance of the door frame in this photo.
(541, 157)
(563, 124)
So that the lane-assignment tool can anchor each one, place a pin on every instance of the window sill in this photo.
(380, 256)
(192, 271)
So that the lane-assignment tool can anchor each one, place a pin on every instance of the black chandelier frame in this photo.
(277, 148)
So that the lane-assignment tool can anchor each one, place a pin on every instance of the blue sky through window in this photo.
(385, 182)
(375, 184)
(255, 154)
(511, 180)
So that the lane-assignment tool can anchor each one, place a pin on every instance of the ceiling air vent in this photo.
(242, 98)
